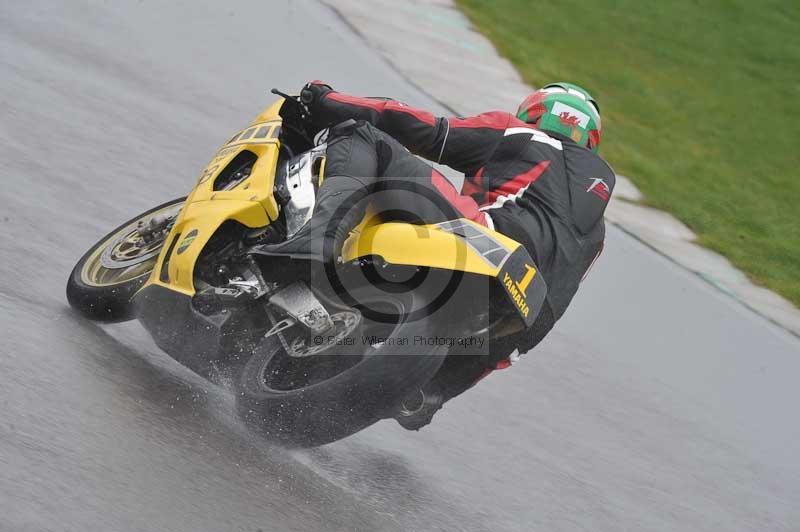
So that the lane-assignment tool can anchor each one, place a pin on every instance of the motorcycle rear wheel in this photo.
(105, 279)
(318, 405)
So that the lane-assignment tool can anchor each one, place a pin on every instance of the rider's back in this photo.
(550, 194)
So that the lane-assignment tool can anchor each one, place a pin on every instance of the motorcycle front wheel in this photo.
(105, 279)
(313, 400)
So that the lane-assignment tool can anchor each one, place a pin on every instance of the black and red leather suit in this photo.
(540, 189)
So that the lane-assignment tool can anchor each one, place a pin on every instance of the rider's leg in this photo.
(363, 166)
(406, 189)
(411, 190)
(352, 164)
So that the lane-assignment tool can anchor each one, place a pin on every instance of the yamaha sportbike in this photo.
(315, 352)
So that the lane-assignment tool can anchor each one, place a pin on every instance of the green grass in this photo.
(700, 103)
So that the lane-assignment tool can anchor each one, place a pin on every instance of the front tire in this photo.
(304, 402)
(105, 279)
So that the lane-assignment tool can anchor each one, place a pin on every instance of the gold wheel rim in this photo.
(124, 256)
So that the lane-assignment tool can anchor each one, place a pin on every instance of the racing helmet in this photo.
(564, 108)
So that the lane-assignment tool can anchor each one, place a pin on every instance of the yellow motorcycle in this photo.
(315, 352)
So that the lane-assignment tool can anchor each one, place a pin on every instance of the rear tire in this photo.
(370, 388)
(92, 288)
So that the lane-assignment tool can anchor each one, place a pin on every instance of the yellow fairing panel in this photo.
(259, 186)
(271, 112)
(457, 245)
(250, 203)
(194, 227)
(261, 139)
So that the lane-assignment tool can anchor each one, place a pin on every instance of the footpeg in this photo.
(281, 326)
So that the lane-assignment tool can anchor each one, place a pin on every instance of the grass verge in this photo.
(700, 104)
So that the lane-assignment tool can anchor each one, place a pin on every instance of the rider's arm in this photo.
(461, 143)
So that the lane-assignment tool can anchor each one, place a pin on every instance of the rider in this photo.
(534, 177)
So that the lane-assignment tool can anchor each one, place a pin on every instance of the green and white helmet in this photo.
(566, 109)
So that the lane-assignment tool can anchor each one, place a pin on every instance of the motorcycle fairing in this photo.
(525, 288)
(196, 224)
(251, 202)
(457, 245)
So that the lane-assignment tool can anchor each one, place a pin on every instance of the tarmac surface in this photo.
(655, 404)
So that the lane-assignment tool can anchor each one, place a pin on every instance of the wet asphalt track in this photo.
(656, 404)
